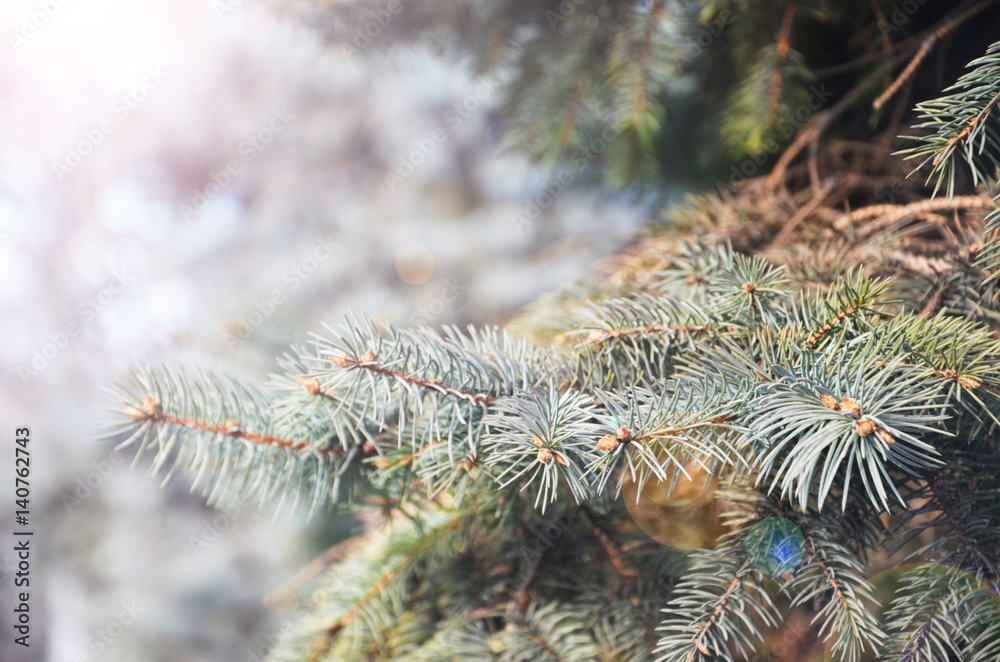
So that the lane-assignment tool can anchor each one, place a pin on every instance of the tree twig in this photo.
(784, 44)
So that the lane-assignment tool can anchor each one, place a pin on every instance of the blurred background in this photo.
(203, 182)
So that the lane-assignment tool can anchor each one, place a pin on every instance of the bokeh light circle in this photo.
(415, 265)
(684, 511)
(775, 546)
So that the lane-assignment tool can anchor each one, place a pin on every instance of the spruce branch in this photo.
(720, 604)
(830, 567)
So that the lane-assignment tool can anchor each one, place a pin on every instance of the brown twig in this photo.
(569, 125)
(522, 597)
(972, 123)
(639, 107)
(151, 411)
(598, 336)
(784, 44)
(815, 336)
(307, 573)
(727, 596)
(368, 362)
(926, 46)
(832, 581)
(888, 214)
(815, 127)
(786, 231)
(881, 20)
(627, 575)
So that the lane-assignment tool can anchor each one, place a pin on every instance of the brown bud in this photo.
(342, 360)
(885, 436)
(534, 438)
(595, 336)
(968, 382)
(830, 402)
(544, 455)
(864, 427)
(369, 357)
(135, 414)
(624, 435)
(851, 405)
(608, 443)
(311, 386)
(149, 409)
(559, 459)
(749, 287)
(691, 280)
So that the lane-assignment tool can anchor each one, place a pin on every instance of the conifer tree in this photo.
(790, 388)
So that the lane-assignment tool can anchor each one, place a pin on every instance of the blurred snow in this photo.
(166, 170)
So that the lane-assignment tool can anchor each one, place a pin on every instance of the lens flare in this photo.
(775, 546)
(684, 511)
(415, 265)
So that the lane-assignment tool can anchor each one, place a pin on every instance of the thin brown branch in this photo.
(832, 581)
(815, 127)
(639, 106)
(817, 335)
(922, 53)
(888, 214)
(325, 641)
(786, 231)
(784, 44)
(727, 597)
(369, 363)
(598, 336)
(627, 575)
(151, 411)
(881, 20)
(522, 597)
(967, 129)
(309, 572)
(568, 128)
(946, 27)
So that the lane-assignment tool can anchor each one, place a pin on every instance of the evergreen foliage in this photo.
(794, 347)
